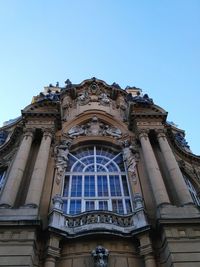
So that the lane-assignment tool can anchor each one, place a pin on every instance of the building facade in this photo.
(93, 175)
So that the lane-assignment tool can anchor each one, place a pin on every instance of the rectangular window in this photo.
(66, 186)
(75, 206)
(102, 185)
(117, 206)
(64, 206)
(89, 205)
(128, 206)
(103, 205)
(115, 188)
(89, 186)
(76, 189)
(125, 186)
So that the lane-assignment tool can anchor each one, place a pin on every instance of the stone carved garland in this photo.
(94, 128)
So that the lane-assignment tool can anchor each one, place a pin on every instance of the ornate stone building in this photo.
(94, 175)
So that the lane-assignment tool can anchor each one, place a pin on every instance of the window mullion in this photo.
(69, 194)
(83, 193)
(122, 192)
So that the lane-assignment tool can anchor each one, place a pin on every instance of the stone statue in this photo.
(130, 157)
(68, 83)
(104, 100)
(62, 152)
(113, 131)
(142, 99)
(76, 131)
(94, 128)
(83, 98)
(100, 256)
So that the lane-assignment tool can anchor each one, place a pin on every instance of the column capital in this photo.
(143, 133)
(29, 132)
(47, 132)
(161, 133)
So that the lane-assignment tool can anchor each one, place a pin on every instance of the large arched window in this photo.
(96, 180)
(192, 190)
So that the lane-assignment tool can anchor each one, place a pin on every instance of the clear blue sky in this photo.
(150, 44)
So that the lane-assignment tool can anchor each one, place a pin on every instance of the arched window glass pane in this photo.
(101, 168)
(192, 190)
(96, 179)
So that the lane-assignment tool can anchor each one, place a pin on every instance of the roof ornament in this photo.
(141, 99)
(68, 83)
(180, 139)
(116, 85)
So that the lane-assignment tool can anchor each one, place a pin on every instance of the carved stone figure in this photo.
(66, 105)
(100, 256)
(121, 103)
(94, 128)
(62, 152)
(104, 100)
(76, 131)
(142, 99)
(83, 98)
(113, 131)
(130, 158)
(68, 83)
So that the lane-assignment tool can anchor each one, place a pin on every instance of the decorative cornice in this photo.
(183, 153)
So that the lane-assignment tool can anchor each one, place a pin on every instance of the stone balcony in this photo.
(97, 221)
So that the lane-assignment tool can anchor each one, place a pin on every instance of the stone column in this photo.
(176, 177)
(17, 170)
(39, 171)
(153, 170)
(52, 251)
(146, 251)
(50, 261)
